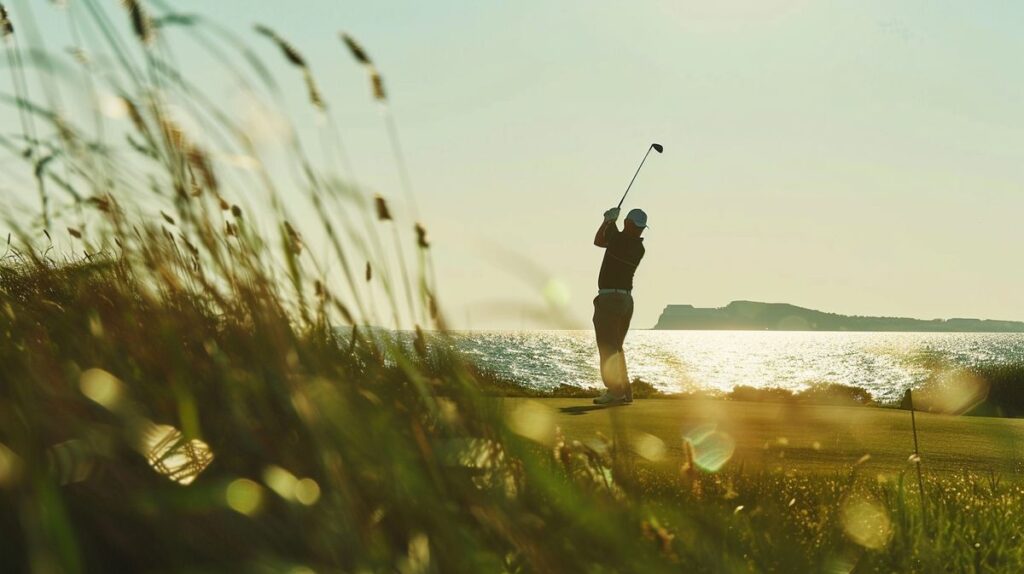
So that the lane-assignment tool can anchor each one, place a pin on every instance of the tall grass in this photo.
(185, 386)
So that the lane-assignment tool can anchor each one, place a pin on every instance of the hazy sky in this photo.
(860, 157)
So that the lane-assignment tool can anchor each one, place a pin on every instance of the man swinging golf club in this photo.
(613, 306)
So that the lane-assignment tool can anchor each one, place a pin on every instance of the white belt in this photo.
(610, 291)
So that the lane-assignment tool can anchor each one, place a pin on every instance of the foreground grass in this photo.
(796, 484)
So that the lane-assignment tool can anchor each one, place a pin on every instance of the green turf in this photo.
(807, 437)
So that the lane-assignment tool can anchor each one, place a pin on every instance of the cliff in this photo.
(754, 316)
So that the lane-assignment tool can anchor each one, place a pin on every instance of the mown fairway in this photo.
(774, 436)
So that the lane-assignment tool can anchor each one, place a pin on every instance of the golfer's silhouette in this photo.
(613, 306)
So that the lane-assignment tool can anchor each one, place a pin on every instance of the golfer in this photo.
(613, 306)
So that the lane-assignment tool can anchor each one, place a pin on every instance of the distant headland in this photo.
(754, 316)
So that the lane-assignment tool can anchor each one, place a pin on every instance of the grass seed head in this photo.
(289, 51)
(6, 27)
(141, 23)
(421, 236)
(383, 213)
(378, 86)
(356, 50)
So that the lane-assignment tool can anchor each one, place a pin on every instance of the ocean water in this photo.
(885, 364)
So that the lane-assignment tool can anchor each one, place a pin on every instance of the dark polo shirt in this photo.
(621, 258)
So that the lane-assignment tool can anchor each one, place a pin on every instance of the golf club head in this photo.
(658, 147)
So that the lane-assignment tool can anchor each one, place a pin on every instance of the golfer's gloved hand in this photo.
(612, 214)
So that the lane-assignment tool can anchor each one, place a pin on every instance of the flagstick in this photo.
(917, 453)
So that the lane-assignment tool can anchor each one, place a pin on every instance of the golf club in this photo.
(656, 147)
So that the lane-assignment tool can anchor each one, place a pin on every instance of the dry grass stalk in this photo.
(289, 51)
(141, 23)
(192, 153)
(314, 92)
(383, 213)
(360, 56)
(295, 240)
(6, 27)
(421, 236)
(378, 86)
(199, 161)
(297, 60)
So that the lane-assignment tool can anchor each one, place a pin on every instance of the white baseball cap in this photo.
(638, 217)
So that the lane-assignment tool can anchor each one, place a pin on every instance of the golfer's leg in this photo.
(605, 343)
(624, 317)
(610, 344)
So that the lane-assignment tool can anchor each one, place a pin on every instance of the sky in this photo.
(862, 157)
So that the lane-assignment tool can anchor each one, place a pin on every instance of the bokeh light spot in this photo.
(244, 496)
(866, 523)
(101, 387)
(10, 467)
(280, 481)
(534, 421)
(556, 293)
(650, 447)
(307, 491)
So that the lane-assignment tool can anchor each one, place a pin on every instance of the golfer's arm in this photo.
(601, 240)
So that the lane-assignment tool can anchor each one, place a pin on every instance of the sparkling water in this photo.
(884, 364)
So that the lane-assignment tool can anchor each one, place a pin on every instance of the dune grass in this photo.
(186, 387)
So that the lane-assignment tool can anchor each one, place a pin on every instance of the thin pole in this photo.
(917, 454)
(649, 148)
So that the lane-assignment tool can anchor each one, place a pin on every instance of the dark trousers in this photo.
(612, 313)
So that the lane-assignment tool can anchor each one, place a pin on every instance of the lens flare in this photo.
(534, 421)
(71, 461)
(650, 447)
(953, 392)
(172, 456)
(866, 522)
(556, 293)
(712, 448)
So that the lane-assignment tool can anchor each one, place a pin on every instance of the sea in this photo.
(884, 364)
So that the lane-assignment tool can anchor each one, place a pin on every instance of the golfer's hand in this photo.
(612, 214)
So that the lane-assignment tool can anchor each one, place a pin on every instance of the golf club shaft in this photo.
(634, 175)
